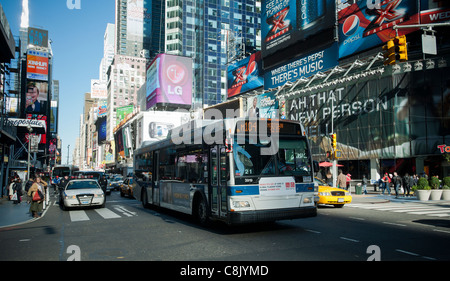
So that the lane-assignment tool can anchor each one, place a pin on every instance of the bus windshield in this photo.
(292, 159)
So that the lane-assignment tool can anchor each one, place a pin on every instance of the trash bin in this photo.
(358, 189)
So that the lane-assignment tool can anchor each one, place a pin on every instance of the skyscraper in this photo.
(208, 31)
(139, 27)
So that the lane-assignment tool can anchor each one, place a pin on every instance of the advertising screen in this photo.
(285, 22)
(364, 25)
(245, 75)
(36, 97)
(169, 81)
(37, 65)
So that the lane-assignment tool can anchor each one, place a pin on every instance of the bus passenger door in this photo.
(219, 176)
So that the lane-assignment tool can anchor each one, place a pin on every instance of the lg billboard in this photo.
(169, 81)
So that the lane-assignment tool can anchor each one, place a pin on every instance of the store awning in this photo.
(328, 164)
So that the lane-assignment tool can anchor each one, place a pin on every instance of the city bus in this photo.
(255, 170)
(64, 170)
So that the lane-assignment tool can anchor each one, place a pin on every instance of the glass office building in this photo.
(209, 31)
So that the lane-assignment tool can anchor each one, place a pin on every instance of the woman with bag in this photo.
(36, 192)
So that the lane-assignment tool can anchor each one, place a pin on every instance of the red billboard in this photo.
(37, 65)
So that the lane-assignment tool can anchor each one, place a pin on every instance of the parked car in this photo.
(83, 193)
(329, 195)
(126, 188)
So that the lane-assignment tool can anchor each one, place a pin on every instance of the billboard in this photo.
(155, 125)
(53, 116)
(285, 22)
(38, 37)
(245, 75)
(366, 24)
(37, 65)
(36, 97)
(122, 112)
(98, 89)
(303, 66)
(263, 106)
(169, 81)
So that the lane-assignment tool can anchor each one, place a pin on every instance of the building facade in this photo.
(209, 31)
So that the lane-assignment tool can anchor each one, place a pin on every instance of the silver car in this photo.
(83, 193)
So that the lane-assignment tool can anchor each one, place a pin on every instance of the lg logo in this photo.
(74, 4)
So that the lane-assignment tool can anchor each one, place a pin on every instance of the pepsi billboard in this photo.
(245, 75)
(301, 66)
(286, 22)
(367, 24)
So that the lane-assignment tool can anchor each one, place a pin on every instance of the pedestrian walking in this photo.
(36, 192)
(407, 184)
(386, 181)
(397, 181)
(11, 189)
(348, 179)
(364, 184)
(341, 180)
(17, 191)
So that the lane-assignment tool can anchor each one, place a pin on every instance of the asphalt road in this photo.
(125, 231)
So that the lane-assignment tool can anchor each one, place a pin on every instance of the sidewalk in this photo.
(14, 214)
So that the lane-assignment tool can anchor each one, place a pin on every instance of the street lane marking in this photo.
(349, 239)
(78, 216)
(124, 211)
(393, 223)
(408, 253)
(107, 214)
(313, 231)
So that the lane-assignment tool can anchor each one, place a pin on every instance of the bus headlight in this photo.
(241, 204)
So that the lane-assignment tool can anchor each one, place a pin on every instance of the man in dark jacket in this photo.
(397, 180)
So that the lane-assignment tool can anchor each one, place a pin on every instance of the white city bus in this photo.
(233, 178)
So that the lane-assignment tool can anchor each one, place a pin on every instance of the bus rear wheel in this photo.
(201, 211)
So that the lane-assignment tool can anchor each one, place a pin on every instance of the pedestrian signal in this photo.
(401, 50)
(389, 52)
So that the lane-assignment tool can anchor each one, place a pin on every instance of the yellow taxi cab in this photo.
(126, 188)
(329, 195)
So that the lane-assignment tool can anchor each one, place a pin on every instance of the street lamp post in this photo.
(30, 129)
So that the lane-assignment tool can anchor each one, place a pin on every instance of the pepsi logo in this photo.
(350, 25)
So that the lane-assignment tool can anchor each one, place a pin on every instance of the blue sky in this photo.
(77, 37)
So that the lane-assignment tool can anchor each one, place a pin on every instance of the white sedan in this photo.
(83, 193)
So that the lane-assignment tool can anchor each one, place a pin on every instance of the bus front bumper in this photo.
(271, 215)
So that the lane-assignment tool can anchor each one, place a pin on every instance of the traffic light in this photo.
(389, 52)
(401, 50)
(334, 142)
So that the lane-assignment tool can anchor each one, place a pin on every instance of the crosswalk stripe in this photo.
(78, 216)
(411, 208)
(107, 214)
